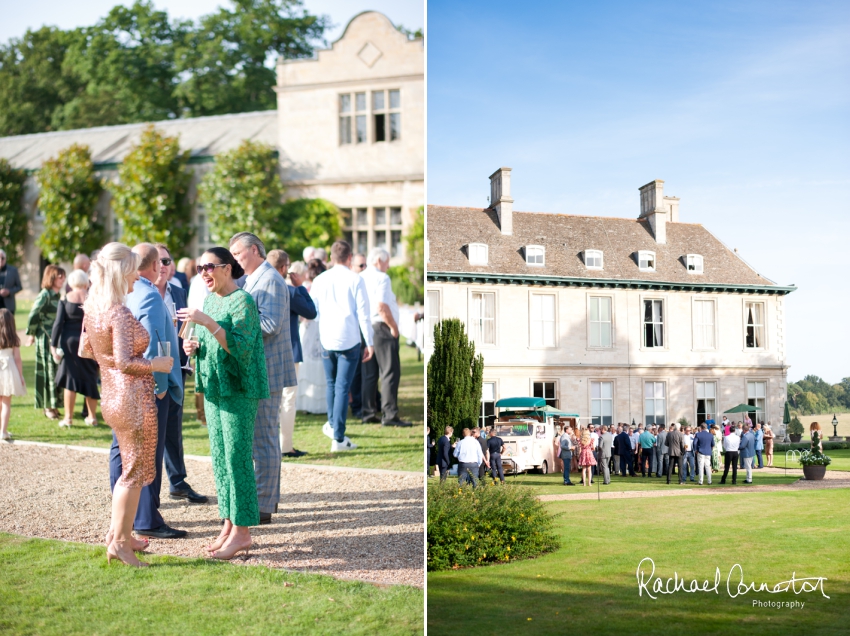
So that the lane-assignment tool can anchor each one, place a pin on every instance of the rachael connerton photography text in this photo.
(735, 584)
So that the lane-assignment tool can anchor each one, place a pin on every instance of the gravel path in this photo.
(350, 524)
(833, 479)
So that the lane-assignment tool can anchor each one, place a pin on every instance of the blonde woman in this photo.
(768, 444)
(586, 460)
(113, 337)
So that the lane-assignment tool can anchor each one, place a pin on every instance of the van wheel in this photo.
(544, 469)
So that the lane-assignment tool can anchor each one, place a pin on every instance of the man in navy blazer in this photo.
(149, 308)
(175, 466)
(624, 450)
(444, 453)
(747, 450)
(300, 304)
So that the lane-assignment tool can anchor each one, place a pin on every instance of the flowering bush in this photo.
(489, 524)
(810, 458)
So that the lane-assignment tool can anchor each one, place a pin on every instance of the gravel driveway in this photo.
(351, 524)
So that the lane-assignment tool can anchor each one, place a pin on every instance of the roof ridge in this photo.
(583, 216)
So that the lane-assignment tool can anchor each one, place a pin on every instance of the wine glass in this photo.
(192, 336)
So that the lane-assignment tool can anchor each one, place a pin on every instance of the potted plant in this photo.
(814, 462)
(795, 430)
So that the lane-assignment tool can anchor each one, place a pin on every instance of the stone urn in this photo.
(814, 473)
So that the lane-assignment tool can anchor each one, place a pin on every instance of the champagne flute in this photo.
(191, 335)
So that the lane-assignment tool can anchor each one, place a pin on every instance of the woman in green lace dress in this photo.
(718, 444)
(231, 374)
(39, 327)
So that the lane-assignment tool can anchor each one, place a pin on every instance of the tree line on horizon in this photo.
(813, 395)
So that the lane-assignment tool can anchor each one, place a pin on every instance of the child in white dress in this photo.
(11, 370)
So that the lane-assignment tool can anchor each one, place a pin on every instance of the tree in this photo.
(455, 379)
(229, 58)
(243, 192)
(126, 63)
(68, 196)
(150, 198)
(305, 222)
(13, 219)
(408, 280)
(33, 83)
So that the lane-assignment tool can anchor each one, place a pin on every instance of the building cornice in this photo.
(365, 81)
(348, 180)
(604, 283)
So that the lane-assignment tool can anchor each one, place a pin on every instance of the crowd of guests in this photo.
(127, 327)
(682, 450)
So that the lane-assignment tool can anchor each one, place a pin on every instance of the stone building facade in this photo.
(378, 183)
(617, 319)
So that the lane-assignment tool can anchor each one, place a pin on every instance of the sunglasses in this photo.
(362, 266)
(209, 267)
(165, 261)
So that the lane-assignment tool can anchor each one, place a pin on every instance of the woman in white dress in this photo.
(312, 386)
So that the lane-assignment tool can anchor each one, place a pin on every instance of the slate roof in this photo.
(565, 237)
(203, 136)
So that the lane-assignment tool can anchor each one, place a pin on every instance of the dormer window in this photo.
(646, 261)
(478, 253)
(694, 263)
(535, 255)
(593, 259)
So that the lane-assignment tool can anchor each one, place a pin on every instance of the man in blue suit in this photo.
(175, 466)
(148, 307)
(747, 450)
(269, 291)
(300, 305)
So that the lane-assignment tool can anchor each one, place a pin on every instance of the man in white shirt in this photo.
(469, 457)
(731, 443)
(342, 304)
(386, 362)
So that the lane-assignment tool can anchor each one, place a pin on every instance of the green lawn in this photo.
(554, 484)
(589, 585)
(52, 587)
(378, 446)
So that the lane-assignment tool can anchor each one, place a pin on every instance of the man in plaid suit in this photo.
(268, 288)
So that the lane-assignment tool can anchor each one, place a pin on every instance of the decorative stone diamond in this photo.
(369, 54)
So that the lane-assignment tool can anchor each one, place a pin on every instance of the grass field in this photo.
(51, 587)
(378, 446)
(554, 484)
(589, 585)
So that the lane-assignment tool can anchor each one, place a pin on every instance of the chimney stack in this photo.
(500, 199)
(652, 207)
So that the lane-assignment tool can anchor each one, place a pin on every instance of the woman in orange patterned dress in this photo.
(586, 459)
(113, 337)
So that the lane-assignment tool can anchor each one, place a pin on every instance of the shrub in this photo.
(488, 524)
(69, 191)
(405, 291)
(150, 198)
(684, 422)
(306, 222)
(795, 427)
(243, 192)
(13, 219)
(811, 458)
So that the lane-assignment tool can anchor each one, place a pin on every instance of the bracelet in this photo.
(217, 330)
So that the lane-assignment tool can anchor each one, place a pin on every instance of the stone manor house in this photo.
(620, 320)
(349, 127)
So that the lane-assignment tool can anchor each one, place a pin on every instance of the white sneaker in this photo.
(328, 430)
(344, 445)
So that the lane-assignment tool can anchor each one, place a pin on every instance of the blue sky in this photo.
(743, 108)
(18, 16)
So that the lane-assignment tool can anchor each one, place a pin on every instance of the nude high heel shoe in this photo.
(227, 555)
(112, 553)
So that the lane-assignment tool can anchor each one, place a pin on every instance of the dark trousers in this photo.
(147, 515)
(444, 470)
(568, 460)
(357, 389)
(730, 458)
(646, 462)
(175, 467)
(678, 461)
(482, 470)
(758, 454)
(626, 463)
(389, 366)
(467, 471)
(496, 466)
